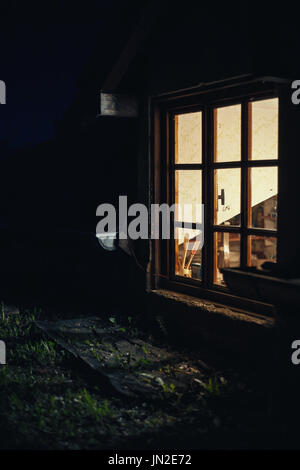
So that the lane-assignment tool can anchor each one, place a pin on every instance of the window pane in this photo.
(188, 253)
(262, 249)
(227, 253)
(263, 186)
(188, 138)
(263, 129)
(227, 197)
(188, 195)
(227, 140)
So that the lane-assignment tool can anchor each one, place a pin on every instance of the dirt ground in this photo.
(112, 384)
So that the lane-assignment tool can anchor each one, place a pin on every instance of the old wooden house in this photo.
(206, 93)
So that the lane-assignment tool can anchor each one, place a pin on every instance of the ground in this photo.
(49, 400)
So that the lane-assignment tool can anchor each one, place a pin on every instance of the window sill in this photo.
(194, 320)
(218, 296)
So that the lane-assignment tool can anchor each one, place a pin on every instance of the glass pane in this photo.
(227, 197)
(188, 138)
(188, 253)
(227, 253)
(188, 195)
(263, 184)
(263, 131)
(227, 123)
(262, 249)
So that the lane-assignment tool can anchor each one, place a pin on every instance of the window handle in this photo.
(222, 197)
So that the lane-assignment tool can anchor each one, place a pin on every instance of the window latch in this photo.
(222, 197)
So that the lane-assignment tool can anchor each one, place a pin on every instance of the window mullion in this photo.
(244, 184)
(209, 177)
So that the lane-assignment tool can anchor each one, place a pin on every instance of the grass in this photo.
(46, 404)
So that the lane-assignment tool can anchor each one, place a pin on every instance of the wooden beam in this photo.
(132, 46)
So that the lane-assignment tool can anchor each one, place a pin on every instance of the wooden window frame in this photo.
(162, 169)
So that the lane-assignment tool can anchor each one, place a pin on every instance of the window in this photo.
(220, 149)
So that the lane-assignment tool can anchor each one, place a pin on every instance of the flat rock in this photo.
(130, 366)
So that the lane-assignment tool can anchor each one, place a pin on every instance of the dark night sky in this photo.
(48, 46)
(44, 48)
